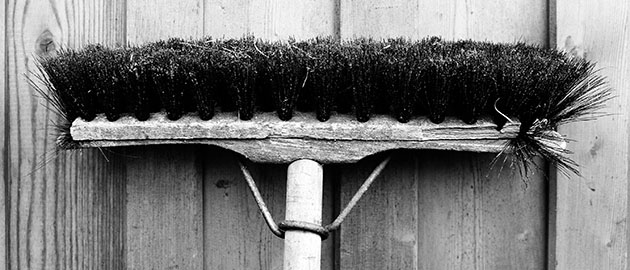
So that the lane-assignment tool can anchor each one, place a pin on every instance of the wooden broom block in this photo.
(267, 139)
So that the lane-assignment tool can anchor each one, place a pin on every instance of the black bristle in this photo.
(220, 84)
(165, 70)
(399, 77)
(363, 58)
(260, 53)
(306, 99)
(107, 81)
(79, 76)
(54, 73)
(474, 81)
(435, 73)
(288, 73)
(325, 80)
(140, 92)
(197, 78)
(239, 72)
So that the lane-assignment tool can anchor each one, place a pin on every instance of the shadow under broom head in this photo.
(541, 88)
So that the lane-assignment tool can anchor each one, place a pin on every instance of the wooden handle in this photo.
(302, 250)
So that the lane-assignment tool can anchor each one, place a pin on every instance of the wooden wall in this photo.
(63, 209)
(187, 207)
(590, 217)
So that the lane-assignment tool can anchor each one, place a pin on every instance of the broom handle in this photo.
(302, 249)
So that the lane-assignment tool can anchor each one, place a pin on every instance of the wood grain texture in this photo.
(4, 142)
(495, 20)
(304, 194)
(589, 219)
(268, 139)
(89, 216)
(164, 209)
(469, 235)
(302, 125)
(289, 150)
(479, 217)
(150, 20)
(236, 236)
(423, 214)
(64, 208)
(379, 19)
(74, 17)
(273, 20)
(381, 231)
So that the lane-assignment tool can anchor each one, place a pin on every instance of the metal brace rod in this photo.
(357, 196)
(273, 226)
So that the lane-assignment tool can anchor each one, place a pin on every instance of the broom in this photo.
(322, 101)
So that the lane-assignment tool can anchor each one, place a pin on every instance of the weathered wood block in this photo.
(265, 138)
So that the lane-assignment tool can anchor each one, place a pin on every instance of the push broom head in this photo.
(475, 82)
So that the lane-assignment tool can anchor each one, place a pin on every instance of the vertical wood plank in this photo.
(236, 236)
(486, 20)
(227, 18)
(61, 206)
(379, 19)
(87, 211)
(428, 213)
(275, 20)
(4, 166)
(474, 217)
(467, 215)
(452, 19)
(590, 214)
(164, 209)
(380, 232)
(149, 20)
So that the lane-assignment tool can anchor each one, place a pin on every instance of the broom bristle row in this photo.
(404, 78)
